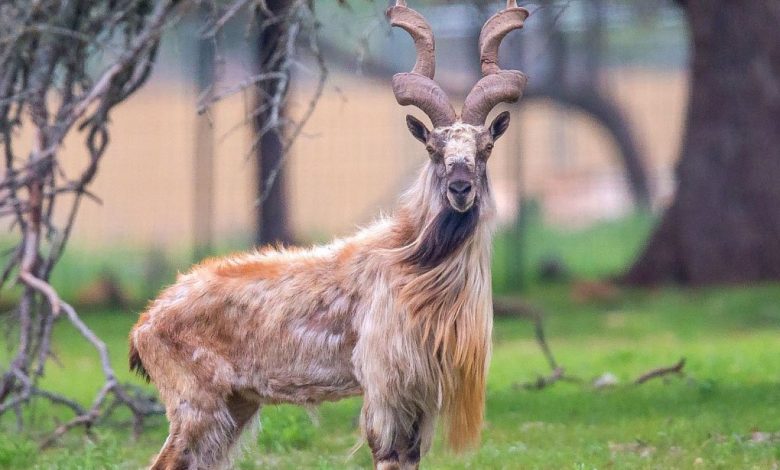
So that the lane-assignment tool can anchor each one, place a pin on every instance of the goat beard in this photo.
(446, 233)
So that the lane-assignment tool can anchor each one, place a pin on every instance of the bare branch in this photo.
(45, 47)
(515, 307)
(272, 105)
(226, 16)
(142, 42)
(206, 101)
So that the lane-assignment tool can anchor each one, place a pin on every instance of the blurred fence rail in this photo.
(356, 156)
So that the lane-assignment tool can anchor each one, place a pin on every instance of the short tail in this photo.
(135, 362)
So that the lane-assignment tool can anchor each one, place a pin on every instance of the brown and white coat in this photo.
(400, 313)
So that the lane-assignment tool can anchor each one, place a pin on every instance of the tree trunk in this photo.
(724, 224)
(271, 210)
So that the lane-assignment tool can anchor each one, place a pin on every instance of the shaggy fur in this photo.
(400, 313)
(135, 363)
(446, 233)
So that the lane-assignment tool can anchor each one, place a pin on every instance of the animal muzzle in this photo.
(460, 188)
(460, 191)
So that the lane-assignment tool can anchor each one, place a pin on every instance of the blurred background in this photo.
(594, 140)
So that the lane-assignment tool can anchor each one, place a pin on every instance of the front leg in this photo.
(395, 437)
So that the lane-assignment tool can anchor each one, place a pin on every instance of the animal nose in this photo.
(460, 188)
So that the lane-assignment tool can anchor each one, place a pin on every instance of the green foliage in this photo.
(17, 453)
(285, 428)
(595, 252)
(102, 453)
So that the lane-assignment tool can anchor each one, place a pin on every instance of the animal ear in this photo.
(417, 128)
(499, 125)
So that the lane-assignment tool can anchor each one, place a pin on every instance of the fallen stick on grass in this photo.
(661, 371)
(518, 308)
(558, 375)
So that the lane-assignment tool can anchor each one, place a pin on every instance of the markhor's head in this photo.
(459, 146)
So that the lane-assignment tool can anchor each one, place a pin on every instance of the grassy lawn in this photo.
(724, 414)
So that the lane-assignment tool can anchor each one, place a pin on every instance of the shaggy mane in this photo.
(446, 233)
(447, 293)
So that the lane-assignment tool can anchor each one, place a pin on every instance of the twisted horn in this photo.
(496, 85)
(417, 87)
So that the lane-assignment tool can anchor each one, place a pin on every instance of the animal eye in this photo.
(429, 148)
(489, 147)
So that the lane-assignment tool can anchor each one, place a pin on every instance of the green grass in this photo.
(598, 251)
(709, 419)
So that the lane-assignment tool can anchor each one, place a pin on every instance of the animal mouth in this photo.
(461, 195)
(460, 203)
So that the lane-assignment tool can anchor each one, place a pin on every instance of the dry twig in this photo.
(676, 369)
(514, 307)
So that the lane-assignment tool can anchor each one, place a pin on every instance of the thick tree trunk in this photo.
(724, 224)
(272, 211)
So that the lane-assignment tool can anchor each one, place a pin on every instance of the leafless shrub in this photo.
(49, 88)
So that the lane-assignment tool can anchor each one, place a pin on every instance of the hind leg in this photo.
(171, 456)
(242, 410)
(205, 442)
(200, 437)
